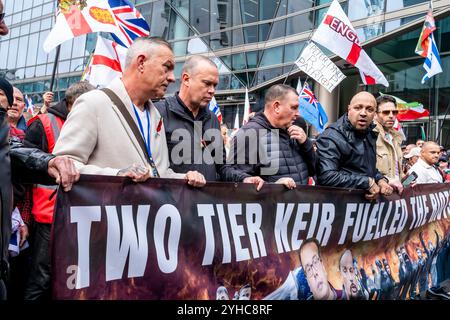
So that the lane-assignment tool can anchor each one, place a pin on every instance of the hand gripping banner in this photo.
(115, 239)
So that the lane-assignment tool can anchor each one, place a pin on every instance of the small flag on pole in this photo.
(246, 108)
(29, 105)
(426, 47)
(214, 108)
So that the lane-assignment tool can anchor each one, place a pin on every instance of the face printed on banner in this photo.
(348, 274)
(315, 272)
(245, 292)
(222, 293)
(361, 110)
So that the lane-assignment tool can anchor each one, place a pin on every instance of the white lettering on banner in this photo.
(420, 211)
(206, 211)
(167, 211)
(83, 217)
(237, 231)
(321, 232)
(318, 66)
(253, 219)
(440, 203)
(372, 221)
(121, 244)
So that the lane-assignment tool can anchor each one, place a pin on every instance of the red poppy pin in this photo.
(160, 123)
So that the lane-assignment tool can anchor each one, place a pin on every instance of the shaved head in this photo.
(193, 64)
(363, 95)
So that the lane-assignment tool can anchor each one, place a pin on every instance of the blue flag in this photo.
(311, 109)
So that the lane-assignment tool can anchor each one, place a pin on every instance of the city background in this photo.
(255, 43)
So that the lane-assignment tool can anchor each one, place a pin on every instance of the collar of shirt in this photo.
(424, 164)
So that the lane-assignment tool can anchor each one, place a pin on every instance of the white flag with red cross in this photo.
(106, 64)
(337, 34)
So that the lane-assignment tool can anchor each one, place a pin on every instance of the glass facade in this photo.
(254, 42)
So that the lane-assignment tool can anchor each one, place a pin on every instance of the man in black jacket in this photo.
(193, 132)
(23, 165)
(270, 147)
(346, 150)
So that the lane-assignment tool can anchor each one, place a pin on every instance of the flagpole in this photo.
(55, 65)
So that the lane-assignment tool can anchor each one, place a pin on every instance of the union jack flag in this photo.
(131, 23)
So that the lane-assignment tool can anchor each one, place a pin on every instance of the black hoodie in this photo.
(206, 153)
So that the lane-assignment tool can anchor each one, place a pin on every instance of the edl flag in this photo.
(337, 34)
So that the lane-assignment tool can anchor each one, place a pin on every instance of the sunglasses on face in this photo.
(2, 16)
(387, 112)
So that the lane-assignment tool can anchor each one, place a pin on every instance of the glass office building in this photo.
(255, 44)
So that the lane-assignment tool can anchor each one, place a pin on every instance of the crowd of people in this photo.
(119, 131)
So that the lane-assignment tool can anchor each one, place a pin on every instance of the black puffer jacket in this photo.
(347, 158)
(202, 133)
(276, 154)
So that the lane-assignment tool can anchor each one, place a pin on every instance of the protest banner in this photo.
(318, 66)
(162, 239)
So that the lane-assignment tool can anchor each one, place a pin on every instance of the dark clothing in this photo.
(38, 284)
(278, 155)
(25, 165)
(199, 136)
(346, 157)
(39, 281)
(36, 137)
(22, 124)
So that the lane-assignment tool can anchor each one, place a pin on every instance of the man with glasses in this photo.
(315, 272)
(389, 151)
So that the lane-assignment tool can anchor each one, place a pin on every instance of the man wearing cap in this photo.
(389, 153)
(425, 167)
(411, 158)
(443, 167)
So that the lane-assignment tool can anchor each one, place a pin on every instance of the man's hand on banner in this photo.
(195, 179)
(63, 169)
(138, 173)
(385, 188)
(373, 191)
(397, 186)
(258, 181)
(287, 182)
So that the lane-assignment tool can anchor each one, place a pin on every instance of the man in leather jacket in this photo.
(22, 165)
(346, 150)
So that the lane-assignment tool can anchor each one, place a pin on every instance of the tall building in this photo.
(255, 43)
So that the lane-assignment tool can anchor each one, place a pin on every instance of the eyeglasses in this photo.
(314, 264)
(2, 16)
(388, 112)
